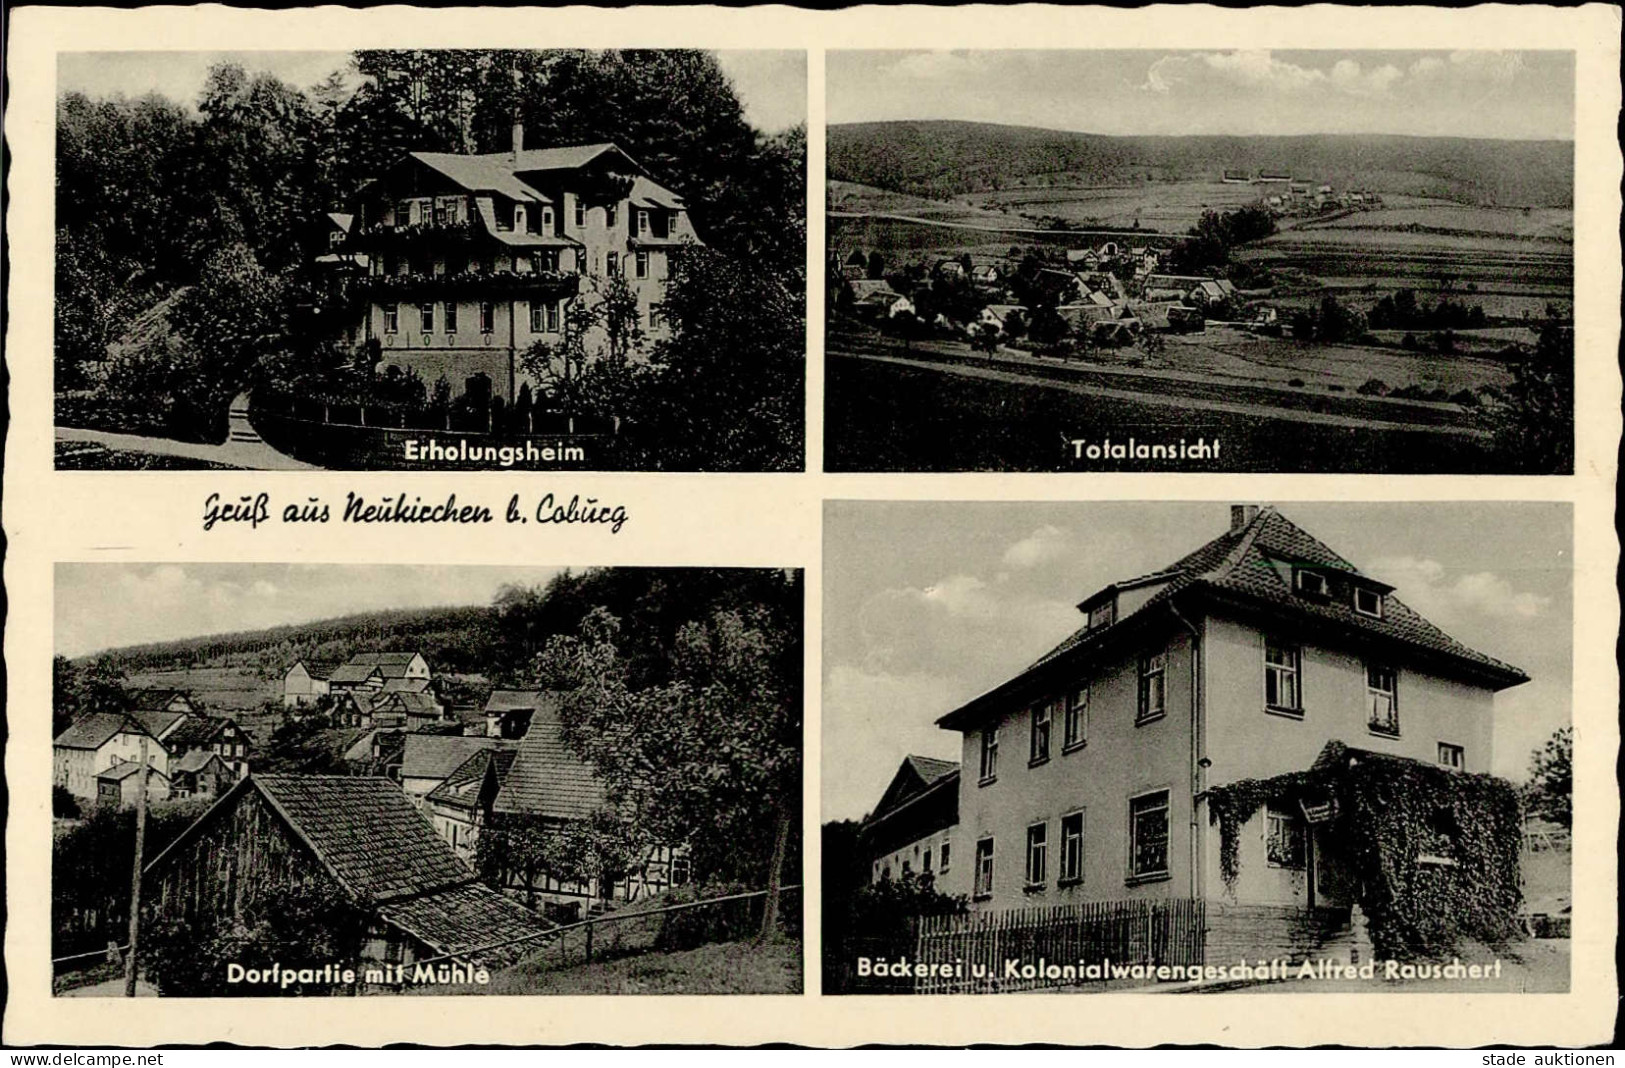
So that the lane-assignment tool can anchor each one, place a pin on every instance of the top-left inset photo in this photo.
(455, 259)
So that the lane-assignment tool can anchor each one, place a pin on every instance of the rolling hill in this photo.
(939, 159)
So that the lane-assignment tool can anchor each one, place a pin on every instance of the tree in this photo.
(710, 757)
(1550, 790)
(1533, 426)
(725, 390)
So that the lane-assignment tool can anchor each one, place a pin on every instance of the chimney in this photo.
(518, 137)
(1241, 515)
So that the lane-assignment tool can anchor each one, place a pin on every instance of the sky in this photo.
(105, 606)
(1517, 95)
(927, 605)
(772, 85)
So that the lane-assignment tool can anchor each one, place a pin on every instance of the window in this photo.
(1382, 698)
(581, 214)
(1148, 835)
(1284, 843)
(335, 238)
(925, 863)
(984, 868)
(403, 213)
(1452, 756)
(1311, 583)
(451, 317)
(1367, 602)
(1043, 718)
(440, 220)
(1281, 663)
(547, 220)
(519, 217)
(990, 754)
(1037, 853)
(612, 264)
(1153, 670)
(538, 317)
(656, 320)
(392, 318)
(475, 266)
(642, 264)
(944, 855)
(1076, 731)
(642, 222)
(609, 215)
(487, 317)
(521, 264)
(426, 314)
(1071, 849)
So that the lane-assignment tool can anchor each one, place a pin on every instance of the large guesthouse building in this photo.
(470, 260)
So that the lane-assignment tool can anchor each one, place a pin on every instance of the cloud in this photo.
(1044, 545)
(1251, 69)
(1428, 586)
(872, 720)
(938, 66)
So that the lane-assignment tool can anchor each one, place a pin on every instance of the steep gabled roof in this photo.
(462, 787)
(491, 173)
(435, 756)
(354, 673)
(914, 776)
(519, 700)
(197, 731)
(123, 770)
(159, 722)
(1251, 565)
(95, 730)
(147, 698)
(366, 833)
(195, 761)
(548, 778)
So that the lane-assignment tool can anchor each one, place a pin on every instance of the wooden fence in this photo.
(1026, 949)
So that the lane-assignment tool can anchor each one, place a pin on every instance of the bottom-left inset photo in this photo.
(303, 779)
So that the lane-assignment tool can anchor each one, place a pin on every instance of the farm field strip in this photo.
(1194, 393)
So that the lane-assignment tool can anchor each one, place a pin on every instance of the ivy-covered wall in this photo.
(1433, 852)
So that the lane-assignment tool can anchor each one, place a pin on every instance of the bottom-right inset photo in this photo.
(1133, 746)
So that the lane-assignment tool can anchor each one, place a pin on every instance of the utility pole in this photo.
(135, 879)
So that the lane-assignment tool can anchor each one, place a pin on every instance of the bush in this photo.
(63, 804)
(731, 921)
(1373, 387)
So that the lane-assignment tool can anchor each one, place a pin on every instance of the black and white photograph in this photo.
(1151, 260)
(1192, 747)
(343, 780)
(431, 260)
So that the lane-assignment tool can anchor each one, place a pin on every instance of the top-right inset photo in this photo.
(1308, 261)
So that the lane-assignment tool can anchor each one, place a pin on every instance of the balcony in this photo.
(475, 285)
(377, 237)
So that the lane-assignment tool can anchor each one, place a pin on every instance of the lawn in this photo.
(718, 968)
(90, 456)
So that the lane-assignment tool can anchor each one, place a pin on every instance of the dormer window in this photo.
(519, 217)
(1368, 602)
(547, 220)
(1311, 583)
(642, 222)
(1103, 614)
(581, 215)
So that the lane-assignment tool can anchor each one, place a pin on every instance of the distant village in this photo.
(1105, 294)
(397, 828)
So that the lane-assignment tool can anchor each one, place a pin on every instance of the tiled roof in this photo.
(402, 684)
(121, 771)
(930, 768)
(519, 700)
(410, 702)
(353, 673)
(196, 731)
(467, 917)
(492, 173)
(157, 721)
(435, 756)
(93, 731)
(196, 760)
(462, 786)
(366, 833)
(547, 778)
(562, 158)
(390, 665)
(1240, 564)
(148, 698)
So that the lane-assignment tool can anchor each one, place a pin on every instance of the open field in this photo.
(226, 690)
(1171, 207)
(920, 411)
